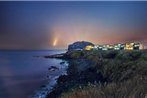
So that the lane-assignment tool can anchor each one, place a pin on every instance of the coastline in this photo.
(51, 76)
(52, 81)
(86, 67)
(64, 82)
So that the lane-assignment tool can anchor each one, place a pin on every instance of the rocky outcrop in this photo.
(79, 45)
(53, 68)
(60, 56)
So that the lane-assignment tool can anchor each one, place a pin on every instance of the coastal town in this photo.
(125, 46)
(85, 45)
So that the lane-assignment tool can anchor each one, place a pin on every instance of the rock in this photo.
(55, 56)
(79, 45)
(62, 62)
(53, 68)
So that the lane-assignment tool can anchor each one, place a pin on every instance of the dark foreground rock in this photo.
(78, 74)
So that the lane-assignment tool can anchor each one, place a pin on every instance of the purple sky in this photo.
(47, 25)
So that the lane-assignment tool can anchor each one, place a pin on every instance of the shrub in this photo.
(76, 54)
(129, 55)
(144, 56)
(111, 54)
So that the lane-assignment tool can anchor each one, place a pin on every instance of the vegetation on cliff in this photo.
(103, 74)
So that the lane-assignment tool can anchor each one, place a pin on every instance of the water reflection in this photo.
(21, 73)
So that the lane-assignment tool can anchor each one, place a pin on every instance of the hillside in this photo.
(103, 74)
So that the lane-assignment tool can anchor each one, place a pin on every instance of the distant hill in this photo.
(79, 45)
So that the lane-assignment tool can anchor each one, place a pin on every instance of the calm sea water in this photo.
(21, 72)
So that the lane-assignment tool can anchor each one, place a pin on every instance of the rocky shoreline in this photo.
(76, 75)
(43, 91)
(57, 56)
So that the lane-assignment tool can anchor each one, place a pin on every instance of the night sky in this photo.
(50, 25)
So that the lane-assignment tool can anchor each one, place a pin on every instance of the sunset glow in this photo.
(57, 25)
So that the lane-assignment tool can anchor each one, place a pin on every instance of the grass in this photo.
(134, 88)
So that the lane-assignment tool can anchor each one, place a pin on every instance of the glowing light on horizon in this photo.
(55, 42)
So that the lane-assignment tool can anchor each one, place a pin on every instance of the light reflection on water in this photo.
(21, 73)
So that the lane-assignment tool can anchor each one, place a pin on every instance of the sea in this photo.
(24, 73)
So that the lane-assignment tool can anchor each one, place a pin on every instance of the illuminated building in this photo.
(138, 46)
(119, 47)
(129, 46)
(89, 47)
(126, 46)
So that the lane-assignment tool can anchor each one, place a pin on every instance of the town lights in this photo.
(126, 46)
